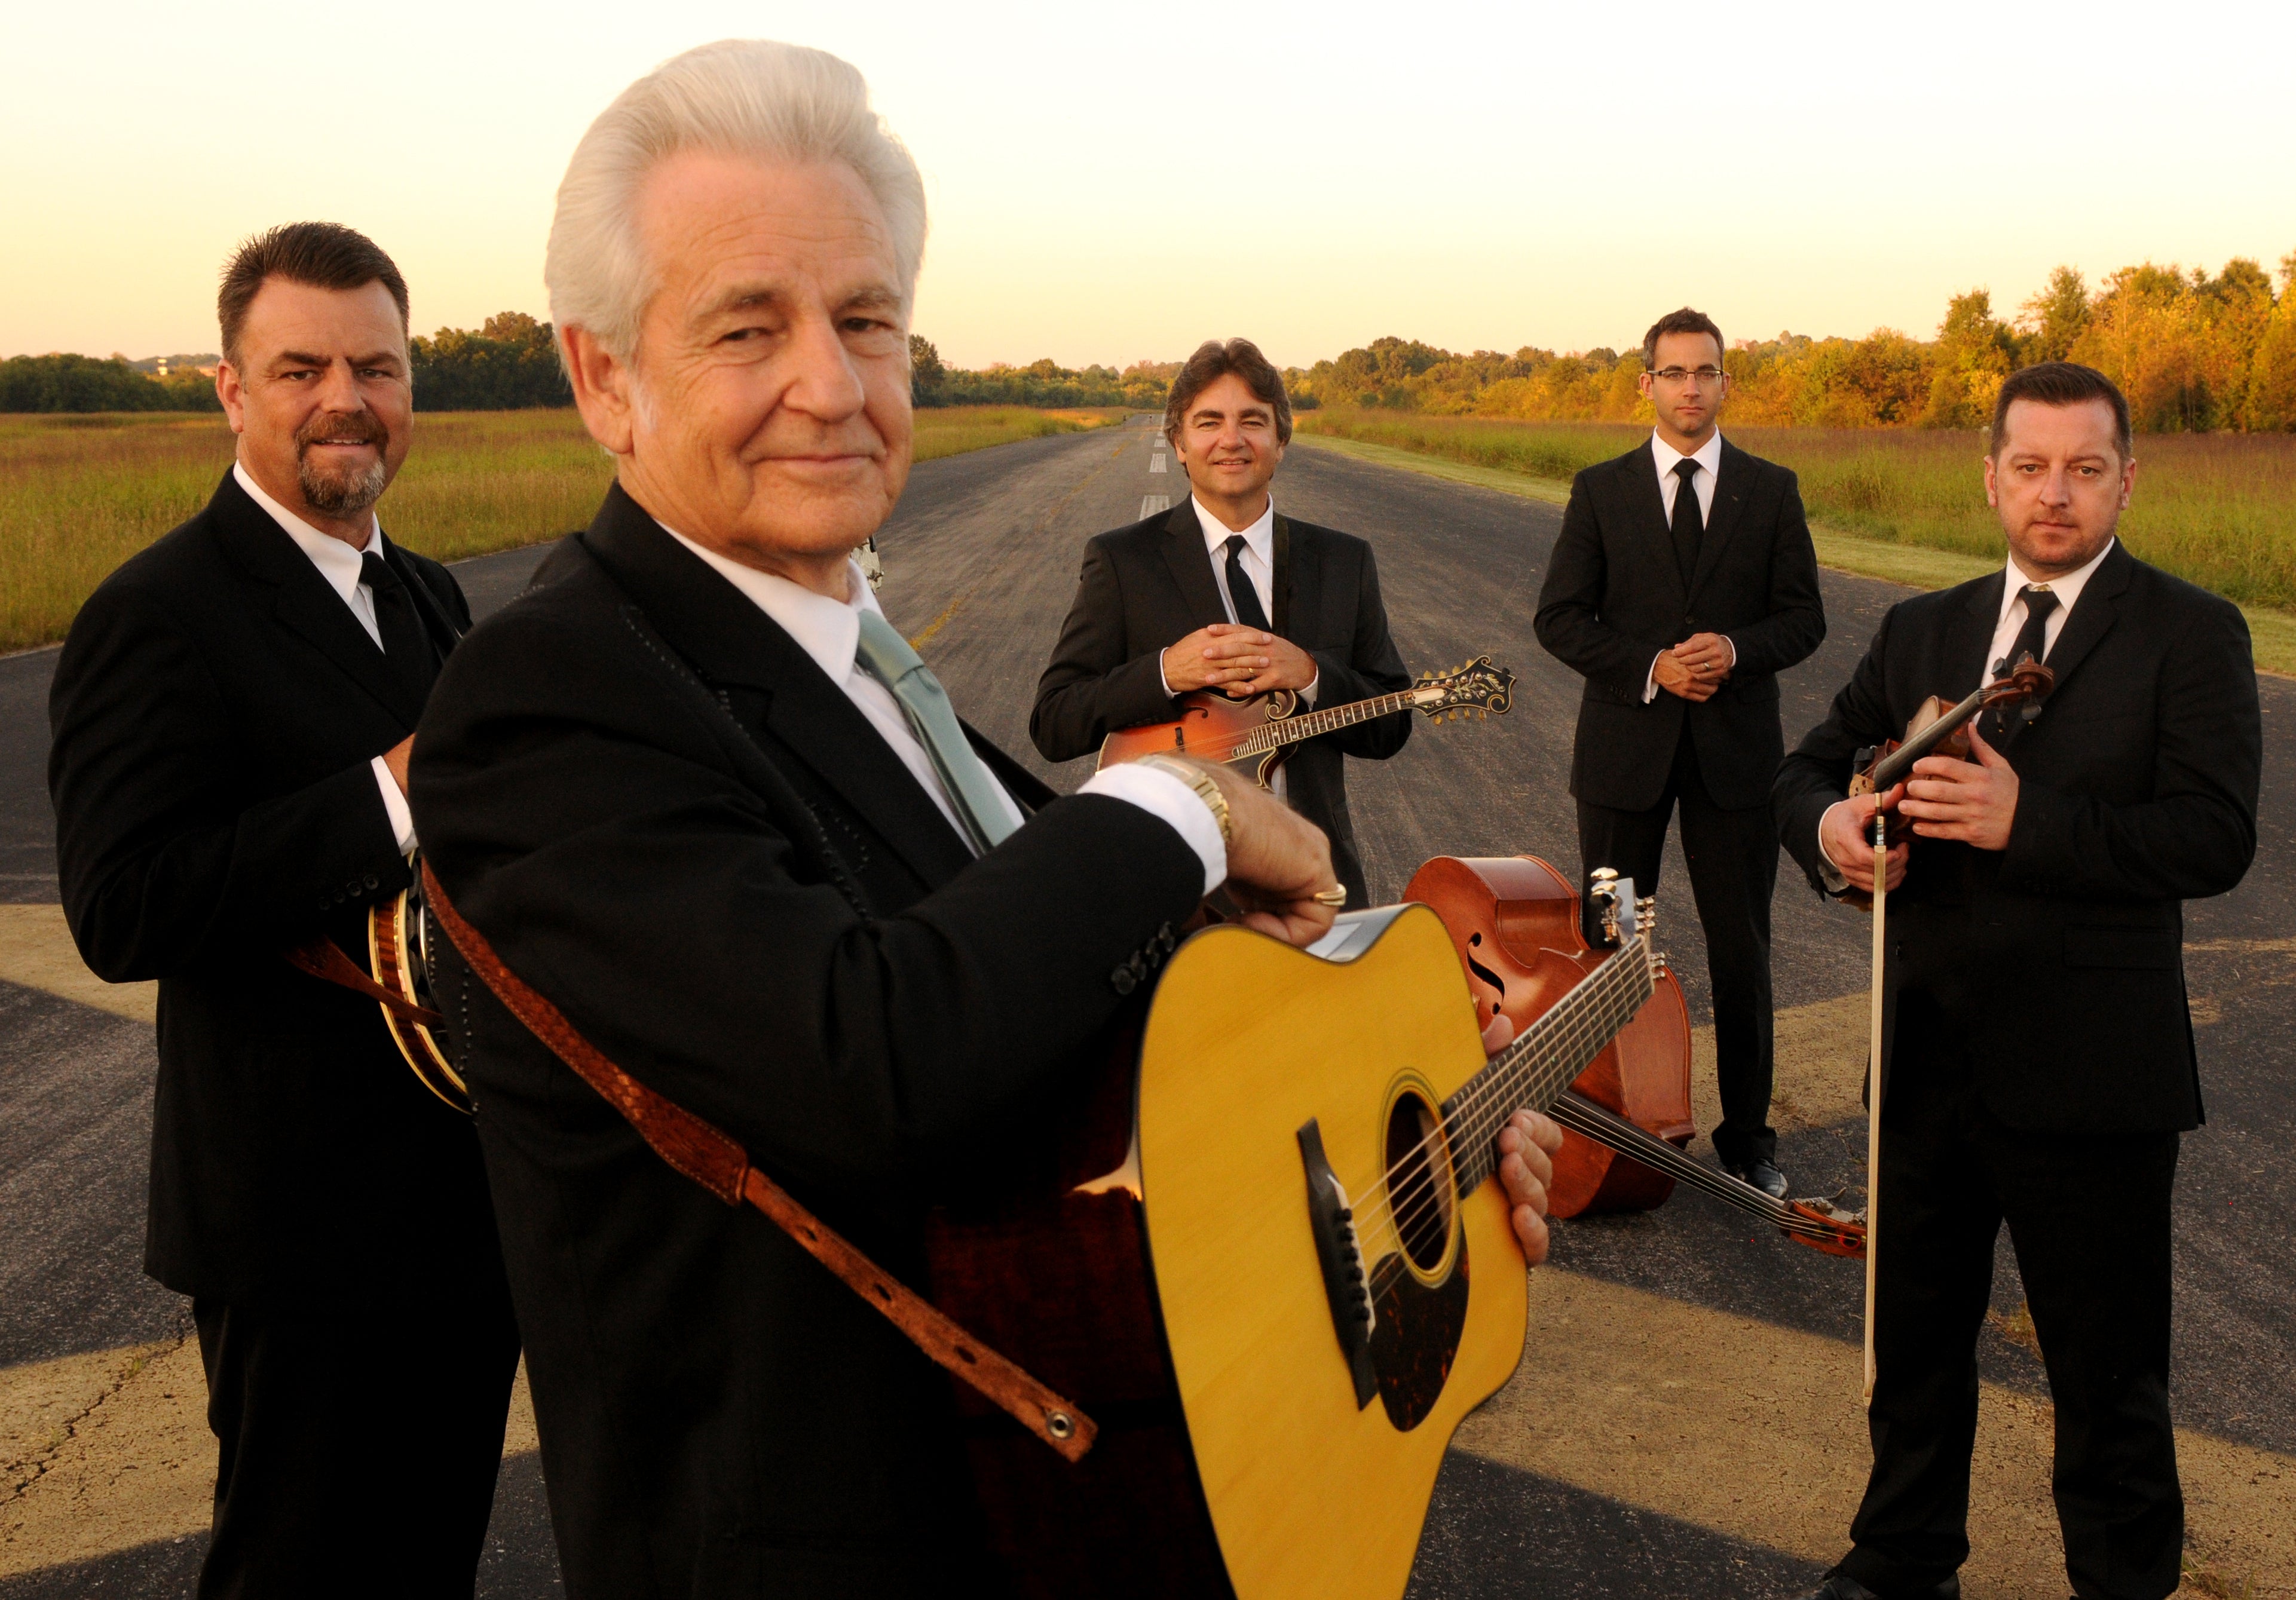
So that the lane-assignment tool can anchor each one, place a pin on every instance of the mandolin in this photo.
(1302, 1144)
(1259, 733)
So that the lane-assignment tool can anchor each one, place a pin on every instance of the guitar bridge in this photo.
(1346, 1284)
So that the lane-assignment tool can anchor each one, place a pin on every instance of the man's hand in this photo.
(1974, 801)
(395, 758)
(1846, 832)
(1277, 861)
(1240, 661)
(1525, 1145)
(1696, 667)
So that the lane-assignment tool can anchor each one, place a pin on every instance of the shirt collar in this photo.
(337, 561)
(1708, 456)
(2067, 589)
(829, 631)
(1259, 538)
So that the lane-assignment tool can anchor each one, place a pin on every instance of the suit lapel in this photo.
(1300, 572)
(728, 641)
(1282, 583)
(1640, 471)
(305, 603)
(1731, 484)
(1965, 646)
(1191, 564)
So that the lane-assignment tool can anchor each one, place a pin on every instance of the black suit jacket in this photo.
(668, 819)
(2059, 959)
(1146, 587)
(214, 711)
(1614, 598)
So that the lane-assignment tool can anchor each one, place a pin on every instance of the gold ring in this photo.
(1333, 898)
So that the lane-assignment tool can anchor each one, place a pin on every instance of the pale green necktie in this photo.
(885, 656)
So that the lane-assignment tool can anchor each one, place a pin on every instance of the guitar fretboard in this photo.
(1549, 1056)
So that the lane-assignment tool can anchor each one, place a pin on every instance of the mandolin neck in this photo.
(1291, 730)
(1537, 1067)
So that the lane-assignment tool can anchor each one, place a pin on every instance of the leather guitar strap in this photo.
(714, 1160)
(323, 957)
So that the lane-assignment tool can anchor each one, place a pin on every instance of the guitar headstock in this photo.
(1475, 688)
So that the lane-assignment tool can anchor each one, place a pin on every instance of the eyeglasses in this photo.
(1705, 377)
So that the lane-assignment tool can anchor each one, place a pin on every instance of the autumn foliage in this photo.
(2195, 354)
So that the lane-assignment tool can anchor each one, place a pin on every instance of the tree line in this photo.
(1041, 383)
(507, 364)
(2195, 353)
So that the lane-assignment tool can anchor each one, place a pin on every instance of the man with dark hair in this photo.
(232, 714)
(1222, 592)
(2039, 1066)
(1683, 583)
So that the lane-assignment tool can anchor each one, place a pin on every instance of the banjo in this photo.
(403, 942)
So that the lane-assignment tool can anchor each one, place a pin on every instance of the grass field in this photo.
(79, 495)
(2217, 509)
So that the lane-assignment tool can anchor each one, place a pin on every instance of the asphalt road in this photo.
(980, 563)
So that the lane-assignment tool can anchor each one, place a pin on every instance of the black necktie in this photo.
(1241, 594)
(1689, 527)
(404, 643)
(2032, 640)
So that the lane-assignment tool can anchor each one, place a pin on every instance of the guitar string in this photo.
(1590, 1005)
(1565, 1027)
(1589, 1120)
(1423, 1207)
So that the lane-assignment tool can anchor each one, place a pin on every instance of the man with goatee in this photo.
(233, 713)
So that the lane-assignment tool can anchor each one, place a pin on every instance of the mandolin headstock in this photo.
(1474, 688)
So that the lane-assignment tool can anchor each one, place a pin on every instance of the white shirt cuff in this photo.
(394, 805)
(1734, 651)
(1307, 694)
(1165, 796)
(1650, 683)
(1826, 870)
(1161, 678)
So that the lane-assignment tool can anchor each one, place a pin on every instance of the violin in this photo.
(1938, 729)
(1514, 921)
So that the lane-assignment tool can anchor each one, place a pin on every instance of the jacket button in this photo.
(372, 882)
(1122, 980)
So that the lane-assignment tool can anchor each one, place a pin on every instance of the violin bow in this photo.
(1873, 1075)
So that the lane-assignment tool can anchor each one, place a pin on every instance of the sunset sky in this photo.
(1114, 184)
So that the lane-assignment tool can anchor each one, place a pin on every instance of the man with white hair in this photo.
(700, 795)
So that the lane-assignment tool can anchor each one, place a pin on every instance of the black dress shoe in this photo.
(1842, 1587)
(1772, 1182)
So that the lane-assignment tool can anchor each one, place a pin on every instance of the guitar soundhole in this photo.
(1418, 1184)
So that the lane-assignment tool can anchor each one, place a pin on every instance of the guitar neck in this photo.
(1291, 730)
(1537, 1068)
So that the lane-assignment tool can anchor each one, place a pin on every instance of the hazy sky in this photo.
(1113, 183)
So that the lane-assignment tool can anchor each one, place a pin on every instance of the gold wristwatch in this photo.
(1206, 788)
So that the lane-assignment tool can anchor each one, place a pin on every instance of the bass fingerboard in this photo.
(1537, 1068)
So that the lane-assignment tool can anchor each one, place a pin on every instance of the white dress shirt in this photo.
(1708, 457)
(342, 567)
(2012, 622)
(830, 632)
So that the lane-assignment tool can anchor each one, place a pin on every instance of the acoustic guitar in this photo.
(1259, 733)
(1270, 1260)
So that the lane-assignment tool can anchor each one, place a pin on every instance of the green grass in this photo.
(79, 495)
(2218, 509)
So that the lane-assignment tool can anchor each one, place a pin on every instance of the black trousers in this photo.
(1733, 869)
(2089, 1217)
(357, 1441)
